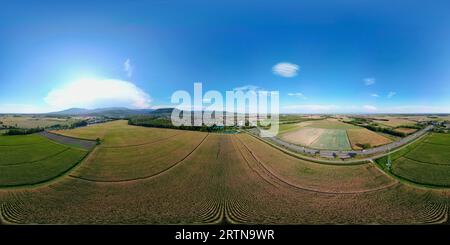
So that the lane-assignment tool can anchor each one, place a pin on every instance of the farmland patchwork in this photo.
(164, 176)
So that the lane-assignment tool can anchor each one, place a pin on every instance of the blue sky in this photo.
(332, 56)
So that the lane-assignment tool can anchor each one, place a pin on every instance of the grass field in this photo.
(425, 162)
(32, 159)
(214, 178)
(34, 122)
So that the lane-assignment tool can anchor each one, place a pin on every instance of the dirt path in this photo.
(85, 144)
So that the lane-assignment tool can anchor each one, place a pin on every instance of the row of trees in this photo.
(167, 123)
(23, 131)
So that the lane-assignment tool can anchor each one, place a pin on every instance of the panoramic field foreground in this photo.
(220, 179)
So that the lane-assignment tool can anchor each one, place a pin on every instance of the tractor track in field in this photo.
(11, 212)
(42, 159)
(143, 177)
(278, 180)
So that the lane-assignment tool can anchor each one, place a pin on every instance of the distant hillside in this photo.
(116, 112)
(119, 112)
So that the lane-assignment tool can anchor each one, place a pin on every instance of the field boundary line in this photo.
(311, 189)
(45, 158)
(143, 177)
(348, 139)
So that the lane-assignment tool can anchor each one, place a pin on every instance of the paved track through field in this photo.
(65, 140)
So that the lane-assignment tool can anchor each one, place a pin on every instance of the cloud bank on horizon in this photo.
(97, 93)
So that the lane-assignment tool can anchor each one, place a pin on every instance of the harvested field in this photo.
(32, 159)
(34, 122)
(224, 179)
(313, 176)
(331, 124)
(119, 133)
(363, 136)
(332, 139)
(327, 134)
(289, 127)
(394, 121)
(135, 162)
(406, 130)
(304, 136)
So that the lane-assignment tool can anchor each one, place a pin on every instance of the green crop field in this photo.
(332, 139)
(426, 161)
(158, 176)
(32, 159)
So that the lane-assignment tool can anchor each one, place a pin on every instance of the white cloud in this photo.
(285, 69)
(298, 95)
(391, 94)
(128, 67)
(369, 81)
(369, 108)
(94, 93)
(374, 95)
